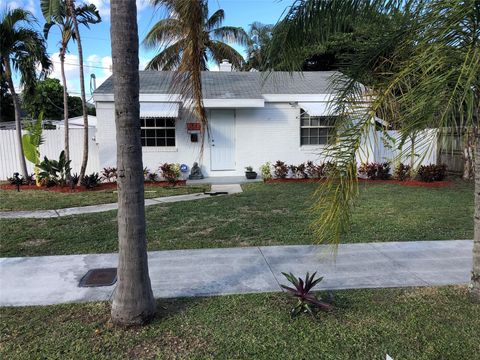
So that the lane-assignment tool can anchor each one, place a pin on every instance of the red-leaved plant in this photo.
(307, 302)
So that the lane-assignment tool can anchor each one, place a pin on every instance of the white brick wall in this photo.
(262, 134)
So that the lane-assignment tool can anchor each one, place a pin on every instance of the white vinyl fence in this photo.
(52, 146)
(388, 147)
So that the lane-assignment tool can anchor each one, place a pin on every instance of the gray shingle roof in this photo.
(236, 85)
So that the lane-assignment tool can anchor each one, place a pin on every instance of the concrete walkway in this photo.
(42, 214)
(54, 279)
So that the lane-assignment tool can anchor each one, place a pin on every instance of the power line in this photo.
(89, 66)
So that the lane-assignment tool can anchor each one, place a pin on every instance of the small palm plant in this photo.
(307, 301)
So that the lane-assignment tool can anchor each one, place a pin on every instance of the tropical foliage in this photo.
(260, 36)
(31, 142)
(68, 17)
(23, 50)
(307, 301)
(424, 73)
(47, 98)
(172, 37)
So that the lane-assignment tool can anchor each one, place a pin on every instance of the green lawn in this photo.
(420, 324)
(272, 214)
(37, 199)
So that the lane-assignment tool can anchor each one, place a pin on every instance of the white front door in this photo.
(222, 139)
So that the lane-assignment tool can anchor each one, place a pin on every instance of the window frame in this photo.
(330, 135)
(144, 138)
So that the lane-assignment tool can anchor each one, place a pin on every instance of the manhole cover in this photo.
(99, 277)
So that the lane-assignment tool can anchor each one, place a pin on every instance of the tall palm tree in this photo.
(52, 8)
(21, 48)
(133, 303)
(260, 36)
(172, 34)
(86, 14)
(436, 85)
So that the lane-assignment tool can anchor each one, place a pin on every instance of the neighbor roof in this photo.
(235, 85)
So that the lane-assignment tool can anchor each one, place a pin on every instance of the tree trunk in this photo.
(133, 302)
(468, 154)
(475, 283)
(82, 91)
(18, 120)
(65, 104)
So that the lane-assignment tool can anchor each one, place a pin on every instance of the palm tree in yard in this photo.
(425, 74)
(260, 36)
(172, 36)
(86, 14)
(52, 8)
(21, 49)
(133, 303)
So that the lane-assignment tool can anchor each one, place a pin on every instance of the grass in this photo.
(36, 199)
(420, 324)
(273, 214)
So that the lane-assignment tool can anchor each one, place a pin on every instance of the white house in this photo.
(76, 122)
(253, 118)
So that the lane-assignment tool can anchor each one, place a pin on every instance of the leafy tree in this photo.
(436, 85)
(21, 49)
(172, 36)
(48, 98)
(85, 14)
(133, 302)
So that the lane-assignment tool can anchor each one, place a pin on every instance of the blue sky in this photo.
(96, 41)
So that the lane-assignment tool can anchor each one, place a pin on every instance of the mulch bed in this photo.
(103, 186)
(434, 184)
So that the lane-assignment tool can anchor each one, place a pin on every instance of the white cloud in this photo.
(19, 4)
(103, 6)
(94, 64)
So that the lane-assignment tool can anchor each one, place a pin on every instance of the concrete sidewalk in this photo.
(43, 214)
(54, 279)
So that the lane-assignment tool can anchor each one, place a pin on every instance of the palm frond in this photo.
(163, 33)
(231, 34)
(221, 51)
(215, 20)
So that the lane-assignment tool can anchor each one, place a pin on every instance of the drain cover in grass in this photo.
(99, 277)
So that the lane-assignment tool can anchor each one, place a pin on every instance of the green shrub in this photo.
(53, 172)
(266, 172)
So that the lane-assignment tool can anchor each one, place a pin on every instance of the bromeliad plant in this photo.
(307, 301)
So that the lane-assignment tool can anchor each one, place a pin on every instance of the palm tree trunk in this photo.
(133, 302)
(475, 282)
(82, 91)
(18, 120)
(65, 104)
